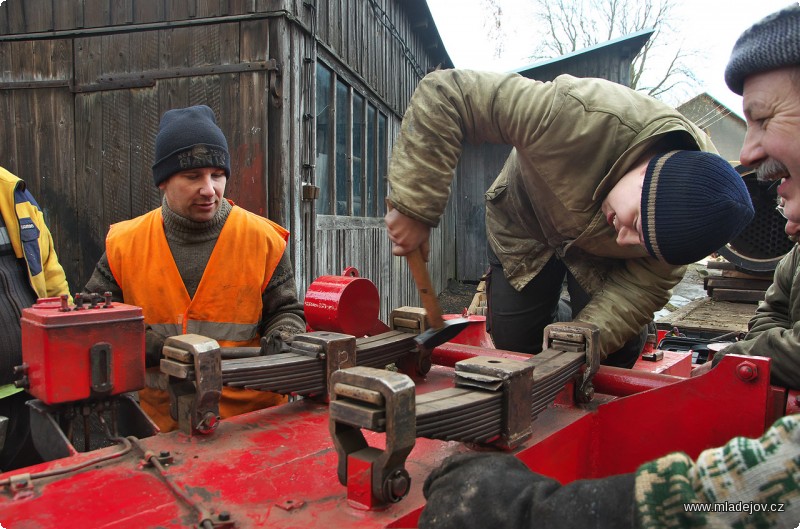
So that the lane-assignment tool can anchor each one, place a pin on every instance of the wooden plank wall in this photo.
(477, 169)
(87, 154)
(38, 136)
(352, 30)
(117, 128)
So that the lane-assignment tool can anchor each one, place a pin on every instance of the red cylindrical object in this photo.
(347, 303)
(621, 382)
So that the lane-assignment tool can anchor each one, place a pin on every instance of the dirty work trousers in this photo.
(516, 319)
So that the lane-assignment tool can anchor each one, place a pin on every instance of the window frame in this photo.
(372, 173)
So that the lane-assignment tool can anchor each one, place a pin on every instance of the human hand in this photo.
(702, 369)
(407, 234)
(153, 344)
(476, 490)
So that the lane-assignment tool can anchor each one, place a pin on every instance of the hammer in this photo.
(440, 331)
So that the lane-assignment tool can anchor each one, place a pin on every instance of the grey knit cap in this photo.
(189, 138)
(770, 44)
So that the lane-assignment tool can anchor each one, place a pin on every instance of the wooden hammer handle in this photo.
(419, 269)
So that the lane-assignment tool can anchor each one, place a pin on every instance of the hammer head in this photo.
(436, 337)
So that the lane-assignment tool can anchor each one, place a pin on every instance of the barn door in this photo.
(124, 83)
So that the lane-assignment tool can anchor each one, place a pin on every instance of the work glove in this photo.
(153, 343)
(279, 339)
(496, 491)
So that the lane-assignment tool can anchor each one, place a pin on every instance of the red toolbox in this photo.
(94, 348)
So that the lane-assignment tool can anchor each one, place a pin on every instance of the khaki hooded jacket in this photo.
(775, 327)
(573, 139)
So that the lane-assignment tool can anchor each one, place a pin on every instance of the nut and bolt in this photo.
(747, 371)
(209, 423)
(396, 486)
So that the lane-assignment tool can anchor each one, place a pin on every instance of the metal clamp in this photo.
(515, 379)
(336, 349)
(381, 401)
(193, 403)
(412, 320)
(577, 336)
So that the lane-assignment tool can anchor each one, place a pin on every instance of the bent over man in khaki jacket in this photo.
(605, 186)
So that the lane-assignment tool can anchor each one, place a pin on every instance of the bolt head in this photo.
(747, 371)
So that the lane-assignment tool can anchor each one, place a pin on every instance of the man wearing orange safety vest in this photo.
(200, 264)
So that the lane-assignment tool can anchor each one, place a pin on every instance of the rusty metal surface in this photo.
(460, 414)
(374, 477)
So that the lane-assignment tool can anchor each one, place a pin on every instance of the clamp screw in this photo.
(747, 371)
(209, 423)
(224, 516)
(164, 453)
(396, 485)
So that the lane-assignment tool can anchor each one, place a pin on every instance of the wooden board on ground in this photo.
(706, 314)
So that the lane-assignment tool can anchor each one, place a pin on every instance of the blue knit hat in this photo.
(693, 203)
(771, 43)
(189, 138)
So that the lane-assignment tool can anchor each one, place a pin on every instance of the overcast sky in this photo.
(709, 25)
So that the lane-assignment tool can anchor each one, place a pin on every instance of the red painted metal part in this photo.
(474, 333)
(58, 344)
(793, 402)
(359, 483)
(347, 304)
(277, 467)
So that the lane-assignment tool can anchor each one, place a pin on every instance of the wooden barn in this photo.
(725, 128)
(480, 165)
(309, 93)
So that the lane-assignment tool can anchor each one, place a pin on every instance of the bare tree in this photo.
(494, 24)
(570, 25)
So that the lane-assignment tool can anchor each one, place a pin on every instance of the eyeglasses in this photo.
(779, 209)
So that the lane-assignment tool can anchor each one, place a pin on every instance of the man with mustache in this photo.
(497, 490)
(764, 68)
(200, 264)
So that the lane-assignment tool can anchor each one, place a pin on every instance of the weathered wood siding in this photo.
(86, 147)
(83, 85)
(377, 48)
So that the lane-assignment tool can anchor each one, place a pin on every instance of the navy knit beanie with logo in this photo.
(770, 44)
(189, 138)
(693, 203)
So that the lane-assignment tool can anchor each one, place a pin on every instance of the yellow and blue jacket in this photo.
(30, 237)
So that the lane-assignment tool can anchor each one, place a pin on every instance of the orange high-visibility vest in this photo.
(226, 306)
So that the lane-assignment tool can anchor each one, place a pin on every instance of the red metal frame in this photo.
(277, 467)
